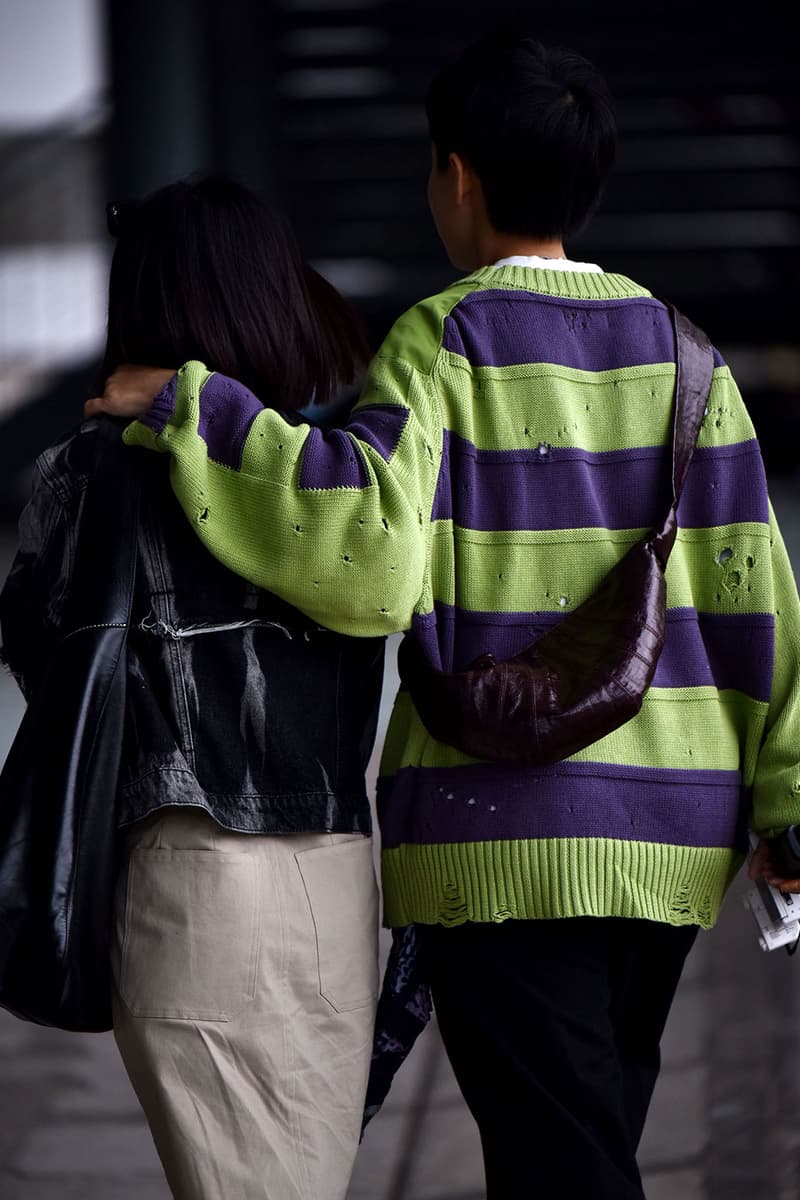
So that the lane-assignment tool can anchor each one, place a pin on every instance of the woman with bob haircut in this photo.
(244, 954)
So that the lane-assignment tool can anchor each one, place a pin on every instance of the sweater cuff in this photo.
(162, 407)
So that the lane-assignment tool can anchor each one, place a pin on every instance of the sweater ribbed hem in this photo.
(495, 881)
(573, 285)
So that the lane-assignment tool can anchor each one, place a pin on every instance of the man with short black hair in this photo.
(512, 443)
(536, 127)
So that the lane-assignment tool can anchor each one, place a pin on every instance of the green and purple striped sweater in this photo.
(512, 441)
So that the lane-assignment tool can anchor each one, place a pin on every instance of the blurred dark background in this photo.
(319, 103)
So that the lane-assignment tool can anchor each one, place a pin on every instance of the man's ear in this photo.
(463, 178)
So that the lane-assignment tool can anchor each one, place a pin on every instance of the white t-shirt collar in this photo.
(547, 264)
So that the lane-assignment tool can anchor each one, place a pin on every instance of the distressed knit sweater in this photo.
(512, 442)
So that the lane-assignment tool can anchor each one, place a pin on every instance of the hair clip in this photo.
(115, 217)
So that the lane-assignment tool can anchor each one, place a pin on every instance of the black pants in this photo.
(553, 1030)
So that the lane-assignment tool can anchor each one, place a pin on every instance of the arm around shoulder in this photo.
(336, 522)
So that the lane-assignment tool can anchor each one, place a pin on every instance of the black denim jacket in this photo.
(236, 701)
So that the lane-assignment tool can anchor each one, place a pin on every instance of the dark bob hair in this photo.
(204, 269)
(537, 126)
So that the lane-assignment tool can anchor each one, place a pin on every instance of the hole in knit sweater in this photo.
(452, 906)
(697, 913)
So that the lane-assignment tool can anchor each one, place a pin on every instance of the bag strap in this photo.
(101, 589)
(694, 369)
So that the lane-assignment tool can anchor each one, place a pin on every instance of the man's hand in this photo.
(761, 867)
(129, 392)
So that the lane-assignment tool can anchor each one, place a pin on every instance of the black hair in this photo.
(205, 269)
(537, 126)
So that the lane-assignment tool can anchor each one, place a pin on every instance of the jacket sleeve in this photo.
(32, 598)
(335, 522)
(776, 793)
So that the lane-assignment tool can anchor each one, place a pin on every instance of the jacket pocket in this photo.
(189, 946)
(339, 882)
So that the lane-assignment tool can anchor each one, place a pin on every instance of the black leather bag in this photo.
(58, 836)
(588, 674)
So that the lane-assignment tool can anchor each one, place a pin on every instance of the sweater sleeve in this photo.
(776, 793)
(335, 522)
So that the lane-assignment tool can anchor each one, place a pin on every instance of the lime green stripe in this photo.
(741, 583)
(510, 408)
(697, 729)
(416, 337)
(569, 877)
(553, 570)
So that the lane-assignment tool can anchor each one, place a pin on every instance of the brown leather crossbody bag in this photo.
(588, 674)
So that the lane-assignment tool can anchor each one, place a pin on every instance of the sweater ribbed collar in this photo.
(572, 285)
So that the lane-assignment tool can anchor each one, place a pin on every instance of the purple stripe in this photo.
(331, 459)
(700, 649)
(555, 487)
(163, 406)
(496, 328)
(725, 484)
(718, 650)
(380, 425)
(227, 410)
(433, 805)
